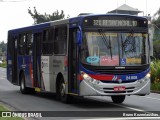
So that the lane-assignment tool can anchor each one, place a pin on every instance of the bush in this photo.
(155, 86)
(4, 64)
(155, 71)
(156, 49)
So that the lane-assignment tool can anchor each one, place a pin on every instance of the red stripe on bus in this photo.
(80, 77)
(31, 74)
(43, 86)
(102, 77)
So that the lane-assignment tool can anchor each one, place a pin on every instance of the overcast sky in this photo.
(15, 14)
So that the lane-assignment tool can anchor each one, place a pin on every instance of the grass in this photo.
(2, 108)
(4, 65)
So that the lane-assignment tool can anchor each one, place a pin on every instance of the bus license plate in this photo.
(119, 88)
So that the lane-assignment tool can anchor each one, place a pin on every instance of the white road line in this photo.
(152, 98)
(135, 109)
(131, 108)
(128, 107)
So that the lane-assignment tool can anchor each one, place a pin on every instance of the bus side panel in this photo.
(47, 73)
(29, 71)
(59, 68)
(24, 65)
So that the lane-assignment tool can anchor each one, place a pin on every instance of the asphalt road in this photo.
(11, 96)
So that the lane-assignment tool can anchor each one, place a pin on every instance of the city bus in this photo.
(88, 55)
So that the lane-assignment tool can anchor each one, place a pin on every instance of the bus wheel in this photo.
(61, 92)
(23, 87)
(118, 98)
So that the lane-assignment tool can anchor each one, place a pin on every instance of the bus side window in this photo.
(29, 44)
(47, 42)
(22, 46)
(60, 40)
(9, 44)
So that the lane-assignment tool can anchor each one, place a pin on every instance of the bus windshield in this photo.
(114, 49)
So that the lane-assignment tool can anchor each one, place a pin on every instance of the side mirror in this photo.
(79, 37)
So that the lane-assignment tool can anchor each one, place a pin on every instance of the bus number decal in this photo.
(131, 77)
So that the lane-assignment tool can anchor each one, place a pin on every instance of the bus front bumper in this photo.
(98, 88)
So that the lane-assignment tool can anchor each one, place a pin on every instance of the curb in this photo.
(154, 91)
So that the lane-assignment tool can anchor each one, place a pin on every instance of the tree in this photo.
(156, 18)
(3, 48)
(40, 18)
(156, 36)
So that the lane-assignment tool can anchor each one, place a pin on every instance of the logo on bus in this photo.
(44, 64)
(93, 59)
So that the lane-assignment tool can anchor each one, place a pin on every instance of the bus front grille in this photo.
(117, 72)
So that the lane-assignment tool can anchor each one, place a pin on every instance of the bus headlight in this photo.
(145, 78)
(89, 79)
(148, 75)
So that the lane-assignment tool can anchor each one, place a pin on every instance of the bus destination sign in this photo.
(115, 23)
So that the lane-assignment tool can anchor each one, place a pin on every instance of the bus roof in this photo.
(38, 27)
(108, 14)
(29, 28)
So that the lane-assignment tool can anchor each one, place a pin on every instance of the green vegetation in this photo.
(3, 48)
(155, 87)
(40, 18)
(4, 64)
(2, 108)
(155, 75)
(156, 36)
(155, 66)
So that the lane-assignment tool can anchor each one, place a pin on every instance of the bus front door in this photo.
(37, 59)
(73, 62)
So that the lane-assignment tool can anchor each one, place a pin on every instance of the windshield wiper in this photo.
(128, 41)
(106, 41)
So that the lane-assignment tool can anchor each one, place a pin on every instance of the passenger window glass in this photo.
(47, 42)
(60, 40)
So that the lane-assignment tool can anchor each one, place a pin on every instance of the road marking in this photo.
(128, 107)
(131, 108)
(122, 105)
(152, 98)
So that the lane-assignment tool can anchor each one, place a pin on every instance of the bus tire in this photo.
(118, 98)
(61, 95)
(23, 87)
